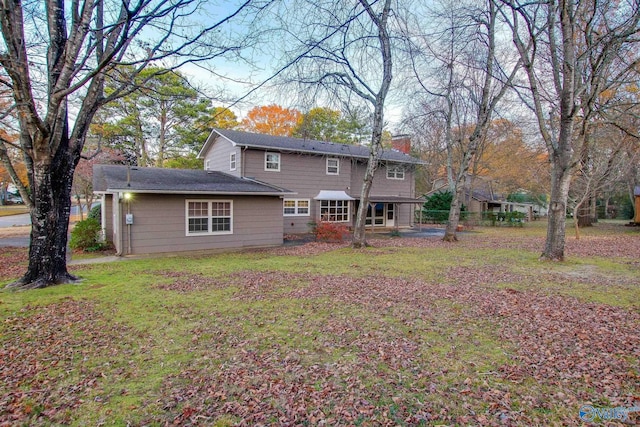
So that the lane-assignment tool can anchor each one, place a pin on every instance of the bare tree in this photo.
(346, 53)
(602, 166)
(572, 52)
(55, 52)
(471, 78)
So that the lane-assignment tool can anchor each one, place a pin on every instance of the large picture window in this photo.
(296, 207)
(334, 210)
(209, 217)
(272, 161)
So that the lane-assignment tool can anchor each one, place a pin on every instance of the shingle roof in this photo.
(298, 145)
(110, 178)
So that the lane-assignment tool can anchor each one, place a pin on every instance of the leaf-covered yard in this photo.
(407, 332)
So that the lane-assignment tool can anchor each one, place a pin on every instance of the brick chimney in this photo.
(401, 143)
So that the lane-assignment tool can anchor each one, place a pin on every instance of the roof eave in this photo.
(328, 153)
(192, 192)
(209, 142)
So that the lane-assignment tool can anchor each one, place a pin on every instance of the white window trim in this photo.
(233, 161)
(266, 154)
(347, 214)
(297, 207)
(394, 171)
(210, 232)
(337, 166)
(207, 164)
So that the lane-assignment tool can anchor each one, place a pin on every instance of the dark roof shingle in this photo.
(299, 145)
(107, 178)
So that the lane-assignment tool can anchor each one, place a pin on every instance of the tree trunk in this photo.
(556, 226)
(49, 222)
(454, 214)
(359, 232)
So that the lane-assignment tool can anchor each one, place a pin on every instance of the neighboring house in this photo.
(326, 177)
(479, 196)
(151, 210)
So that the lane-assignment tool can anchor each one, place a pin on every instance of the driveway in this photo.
(15, 241)
(14, 230)
(15, 220)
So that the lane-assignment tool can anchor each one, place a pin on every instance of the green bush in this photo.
(95, 213)
(440, 201)
(436, 208)
(86, 236)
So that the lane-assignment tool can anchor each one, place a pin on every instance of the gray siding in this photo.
(382, 186)
(219, 155)
(305, 174)
(159, 224)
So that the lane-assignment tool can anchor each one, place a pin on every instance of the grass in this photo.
(7, 210)
(394, 334)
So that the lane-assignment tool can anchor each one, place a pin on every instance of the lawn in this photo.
(8, 210)
(406, 332)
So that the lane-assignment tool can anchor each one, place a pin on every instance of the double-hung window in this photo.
(334, 210)
(272, 161)
(232, 161)
(395, 172)
(296, 207)
(209, 217)
(333, 166)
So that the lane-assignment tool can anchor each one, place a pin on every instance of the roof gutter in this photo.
(221, 193)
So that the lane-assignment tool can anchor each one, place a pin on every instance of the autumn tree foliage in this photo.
(510, 162)
(271, 120)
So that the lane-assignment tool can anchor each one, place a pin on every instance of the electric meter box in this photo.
(128, 219)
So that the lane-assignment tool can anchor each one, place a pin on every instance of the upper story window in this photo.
(333, 166)
(232, 161)
(207, 164)
(272, 161)
(395, 172)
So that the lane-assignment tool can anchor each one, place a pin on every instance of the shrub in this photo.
(330, 231)
(436, 208)
(440, 201)
(95, 213)
(86, 236)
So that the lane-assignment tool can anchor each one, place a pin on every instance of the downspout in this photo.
(103, 217)
(243, 153)
(117, 223)
(128, 228)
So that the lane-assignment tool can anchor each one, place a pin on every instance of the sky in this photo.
(232, 77)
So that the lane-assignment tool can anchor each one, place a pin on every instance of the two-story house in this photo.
(253, 191)
(327, 178)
